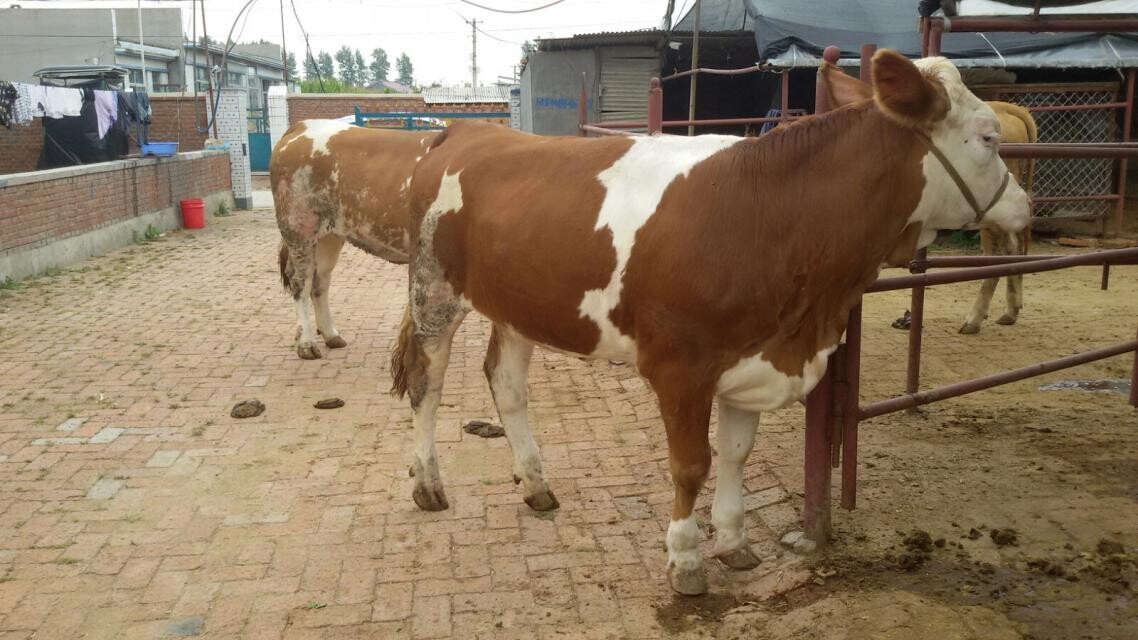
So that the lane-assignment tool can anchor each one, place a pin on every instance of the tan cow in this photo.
(723, 267)
(1016, 126)
(333, 182)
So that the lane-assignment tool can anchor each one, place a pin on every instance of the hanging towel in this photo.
(106, 110)
(62, 101)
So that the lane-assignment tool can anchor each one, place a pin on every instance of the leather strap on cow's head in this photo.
(964, 190)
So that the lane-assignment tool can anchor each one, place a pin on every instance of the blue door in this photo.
(260, 148)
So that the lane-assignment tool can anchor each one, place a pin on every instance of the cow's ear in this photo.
(904, 93)
(844, 89)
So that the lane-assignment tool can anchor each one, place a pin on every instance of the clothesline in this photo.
(20, 103)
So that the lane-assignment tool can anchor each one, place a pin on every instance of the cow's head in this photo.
(930, 98)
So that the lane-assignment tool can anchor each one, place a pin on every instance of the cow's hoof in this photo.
(740, 559)
(1006, 320)
(430, 499)
(970, 329)
(308, 351)
(335, 342)
(689, 582)
(542, 501)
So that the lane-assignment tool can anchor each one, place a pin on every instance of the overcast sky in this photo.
(432, 32)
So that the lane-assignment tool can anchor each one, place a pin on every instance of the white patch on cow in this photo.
(321, 132)
(683, 544)
(736, 438)
(406, 184)
(634, 185)
(753, 384)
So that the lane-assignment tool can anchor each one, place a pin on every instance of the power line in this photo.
(481, 6)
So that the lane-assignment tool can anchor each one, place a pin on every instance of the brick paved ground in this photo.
(133, 506)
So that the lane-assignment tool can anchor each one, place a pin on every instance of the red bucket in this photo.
(193, 213)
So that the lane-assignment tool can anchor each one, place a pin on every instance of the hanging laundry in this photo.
(62, 101)
(8, 95)
(29, 102)
(106, 110)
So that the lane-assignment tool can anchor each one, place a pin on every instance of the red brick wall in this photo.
(172, 121)
(306, 106)
(37, 213)
(20, 147)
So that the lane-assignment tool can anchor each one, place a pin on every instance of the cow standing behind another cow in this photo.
(1016, 126)
(333, 182)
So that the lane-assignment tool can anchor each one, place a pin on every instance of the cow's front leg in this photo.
(736, 439)
(685, 406)
(506, 367)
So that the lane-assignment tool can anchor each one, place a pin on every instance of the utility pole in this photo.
(474, 52)
(284, 51)
(142, 50)
(210, 112)
(694, 66)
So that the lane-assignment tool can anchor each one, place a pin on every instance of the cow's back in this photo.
(331, 177)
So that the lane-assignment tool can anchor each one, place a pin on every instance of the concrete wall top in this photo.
(31, 177)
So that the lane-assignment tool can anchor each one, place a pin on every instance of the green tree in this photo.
(361, 69)
(406, 71)
(380, 66)
(346, 63)
(290, 65)
(330, 85)
(310, 68)
(324, 63)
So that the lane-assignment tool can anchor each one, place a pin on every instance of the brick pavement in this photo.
(133, 506)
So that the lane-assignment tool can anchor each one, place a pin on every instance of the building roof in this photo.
(466, 95)
(717, 15)
(588, 40)
(218, 50)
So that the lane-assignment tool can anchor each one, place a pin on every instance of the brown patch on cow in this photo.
(513, 281)
(775, 269)
(906, 249)
(844, 89)
(906, 94)
(282, 260)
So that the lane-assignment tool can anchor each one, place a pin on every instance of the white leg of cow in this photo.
(327, 253)
(1014, 296)
(736, 439)
(507, 365)
(980, 307)
(302, 268)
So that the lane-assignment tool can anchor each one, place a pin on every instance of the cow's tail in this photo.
(282, 259)
(401, 353)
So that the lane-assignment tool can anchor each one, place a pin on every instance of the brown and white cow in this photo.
(723, 267)
(333, 182)
(1016, 125)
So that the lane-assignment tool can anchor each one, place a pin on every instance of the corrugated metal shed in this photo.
(466, 95)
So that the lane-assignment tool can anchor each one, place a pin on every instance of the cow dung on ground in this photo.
(247, 409)
(483, 429)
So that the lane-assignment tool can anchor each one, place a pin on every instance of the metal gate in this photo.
(260, 145)
(625, 71)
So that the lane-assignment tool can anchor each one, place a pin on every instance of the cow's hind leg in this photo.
(1016, 245)
(736, 438)
(685, 406)
(327, 253)
(301, 264)
(506, 367)
(984, 299)
(419, 365)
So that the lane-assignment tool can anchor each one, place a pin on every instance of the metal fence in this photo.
(1082, 188)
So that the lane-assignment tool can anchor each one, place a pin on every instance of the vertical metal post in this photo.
(142, 50)
(936, 32)
(819, 409)
(694, 66)
(784, 104)
(655, 107)
(284, 50)
(850, 410)
(582, 111)
(924, 37)
(1105, 276)
(866, 72)
(837, 364)
(210, 112)
(916, 328)
(816, 506)
(1134, 381)
(1120, 204)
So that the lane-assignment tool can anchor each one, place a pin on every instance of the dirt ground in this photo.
(1060, 468)
(133, 506)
